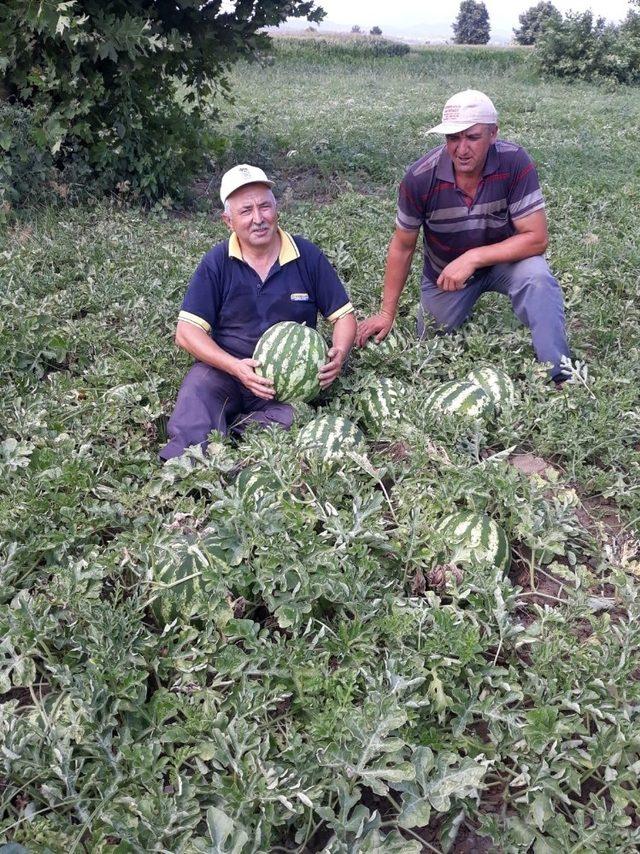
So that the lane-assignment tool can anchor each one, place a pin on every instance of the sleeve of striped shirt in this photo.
(410, 210)
(200, 305)
(525, 195)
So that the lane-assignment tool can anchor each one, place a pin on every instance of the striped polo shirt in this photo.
(452, 222)
(228, 300)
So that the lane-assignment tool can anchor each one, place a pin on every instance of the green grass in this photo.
(336, 693)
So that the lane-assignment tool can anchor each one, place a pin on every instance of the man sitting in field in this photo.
(259, 276)
(478, 201)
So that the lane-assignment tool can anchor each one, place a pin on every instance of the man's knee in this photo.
(442, 311)
(532, 273)
(271, 415)
(278, 414)
(206, 381)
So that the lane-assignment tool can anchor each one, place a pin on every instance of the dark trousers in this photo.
(210, 399)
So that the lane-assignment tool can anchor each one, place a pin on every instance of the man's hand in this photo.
(330, 370)
(378, 325)
(456, 274)
(260, 386)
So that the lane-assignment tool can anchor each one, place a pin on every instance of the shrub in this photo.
(342, 47)
(576, 46)
(533, 22)
(120, 88)
(24, 166)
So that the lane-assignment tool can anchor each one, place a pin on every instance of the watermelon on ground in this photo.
(373, 353)
(178, 567)
(460, 398)
(291, 354)
(380, 403)
(475, 538)
(258, 487)
(495, 383)
(330, 436)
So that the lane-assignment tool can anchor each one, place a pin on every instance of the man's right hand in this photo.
(246, 374)
(378, 325)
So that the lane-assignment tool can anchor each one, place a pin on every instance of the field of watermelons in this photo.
(425, 640)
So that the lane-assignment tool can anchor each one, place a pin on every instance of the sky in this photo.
(503, 14)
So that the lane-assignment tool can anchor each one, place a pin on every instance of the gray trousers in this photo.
(210, 399)
(535, 296)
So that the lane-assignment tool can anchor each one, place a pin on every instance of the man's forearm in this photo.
(515, 248)
(395, 276)
(344, 333)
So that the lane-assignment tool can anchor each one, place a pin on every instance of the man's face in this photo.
(468, 149)
(253, 215)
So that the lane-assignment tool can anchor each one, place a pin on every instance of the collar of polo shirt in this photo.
(288, 249)
(444, 170)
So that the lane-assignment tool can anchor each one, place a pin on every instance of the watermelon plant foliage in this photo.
(338, 687)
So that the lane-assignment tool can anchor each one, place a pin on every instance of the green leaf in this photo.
(225, 836)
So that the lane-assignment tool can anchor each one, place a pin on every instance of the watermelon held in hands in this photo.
(460, 398)
(380, 402)
(474, 538)
(495, 383)
(291, 354)
(330, 437)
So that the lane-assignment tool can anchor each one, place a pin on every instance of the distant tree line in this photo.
(574, 45)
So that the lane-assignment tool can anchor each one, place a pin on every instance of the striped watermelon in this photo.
(178, 568)
(329, 436)
(496, 383)
(290, 354)
(258, 487)
(475, 538)
(373, 353)
(462, 398)
(379, 403)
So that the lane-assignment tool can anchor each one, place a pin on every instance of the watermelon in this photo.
(379, 403)
(461, 398)
(178, 567)
(329, 436)
(373, 353)
(495, 383)
(290, 354)
(475, 538)
(258, 487)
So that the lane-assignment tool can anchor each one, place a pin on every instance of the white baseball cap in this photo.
(240, 175)
(465, 109)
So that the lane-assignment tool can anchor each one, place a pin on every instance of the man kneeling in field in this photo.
(478, 201)
(259, 276)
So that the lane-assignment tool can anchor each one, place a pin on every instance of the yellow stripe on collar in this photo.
(234, 247)
(288, 249)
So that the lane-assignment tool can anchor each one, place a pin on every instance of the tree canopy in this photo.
(119, 89)
(472, 24)
(533, 22)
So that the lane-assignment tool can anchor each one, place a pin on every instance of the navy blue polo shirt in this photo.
(227, 298)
